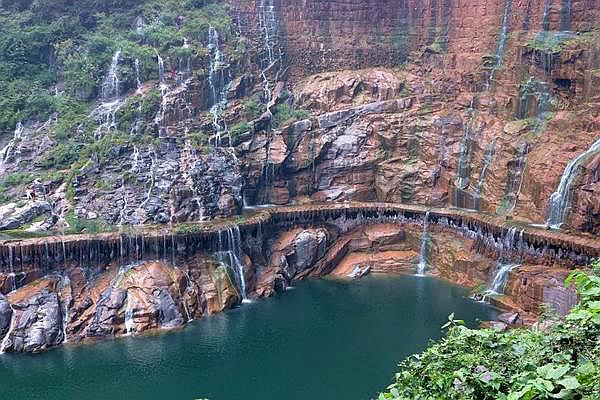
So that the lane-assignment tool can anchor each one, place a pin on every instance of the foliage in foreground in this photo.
(560, 363)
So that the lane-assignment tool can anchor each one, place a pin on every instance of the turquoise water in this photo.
(322, 340)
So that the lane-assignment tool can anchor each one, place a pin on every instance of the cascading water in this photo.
(487, 161)
(546, 15)
(271, 52)
(496, 287)
(499, 57)
(11, 264)
(111, 87)
(218, 80)
(230, 253)
(7, 152)
(189, 160)
(514, 179)
(160, 117)
(185, 68)
(130, 326)
(464, 162)
(565, 15)
(66, 283)
(558, 207)
(106, 112)
(422, 267)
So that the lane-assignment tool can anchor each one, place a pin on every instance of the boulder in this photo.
(38, 324)
(5, 315)
(13, 216)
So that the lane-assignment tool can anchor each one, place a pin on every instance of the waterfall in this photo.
(8, 150)
(503, 34)
(218, 83)
(106, 112)
(230, 252)
(161, 67)
(514, 179)
(546, 15)
(487, 161)
(66, 282)
(422, 267)
(464, 162)
(271, 52)
(11, 258)
(160, 117)
(496, 287)
(153, 162)
(129, 322)
(111, 85)
(558, 207)
(184, 64)
(188, 163)
(565, 15)
(7, 341)
(138, 80)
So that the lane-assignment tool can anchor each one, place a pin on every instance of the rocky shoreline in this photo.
(82, 287)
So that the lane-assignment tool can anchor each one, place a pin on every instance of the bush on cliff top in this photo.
(560, 363)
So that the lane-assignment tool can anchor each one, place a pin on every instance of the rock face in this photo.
(37, 324)
(5, 316)
(12, 216)
(479, 105)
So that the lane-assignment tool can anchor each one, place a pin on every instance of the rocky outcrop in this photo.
(6, 313)
(13, 216)
(37, 323)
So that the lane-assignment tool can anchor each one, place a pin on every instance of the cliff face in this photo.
(489, 89)
(490, 106)
(324, 35)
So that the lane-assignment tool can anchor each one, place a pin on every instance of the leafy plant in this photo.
(562, 362)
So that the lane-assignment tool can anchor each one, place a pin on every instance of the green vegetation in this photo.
(78, 225)
(240, 128)
(561, 362)
(54, 57)
(284, 115)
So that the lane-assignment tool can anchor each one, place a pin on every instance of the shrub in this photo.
(563, 362)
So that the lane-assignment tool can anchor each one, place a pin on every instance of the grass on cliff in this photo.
(562, 362)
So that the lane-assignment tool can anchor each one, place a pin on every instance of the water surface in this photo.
(322, 340)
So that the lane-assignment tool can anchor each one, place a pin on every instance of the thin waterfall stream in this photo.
(560, 201)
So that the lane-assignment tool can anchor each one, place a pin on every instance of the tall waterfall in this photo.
(138, 79)
(496, 287)
(271, 52)
(218, 82)
(463, 170)
(130, 326)
(514, 179)
(546, 15)
(558, 207)
(9, 149)
(160, 117)
(230, 252)
(487, 161)
(106, 112)
(565, 15)
(111, 87)
(422, 267)
(66, 283)
(499, 57)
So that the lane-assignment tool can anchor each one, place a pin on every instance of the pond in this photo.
(323, 339)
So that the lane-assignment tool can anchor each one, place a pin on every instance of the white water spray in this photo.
(422, 267)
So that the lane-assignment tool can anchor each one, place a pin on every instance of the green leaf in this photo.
(569, 382)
